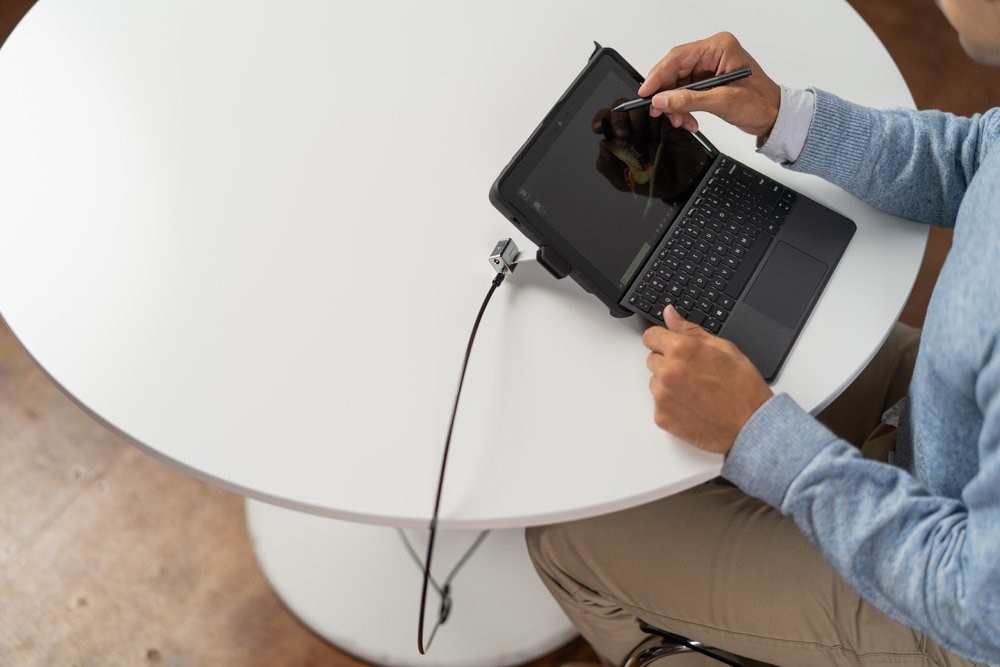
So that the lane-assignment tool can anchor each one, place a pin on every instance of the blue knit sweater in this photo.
(922, 543)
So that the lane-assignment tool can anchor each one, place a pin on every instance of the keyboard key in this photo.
(712, 326)
(718, 313)
(681, 278)
(696, 317)
(644, 305)
(705, 305)
(726, 272)
(771, 194)
(739, 281)
(650, 295)
(726, 302)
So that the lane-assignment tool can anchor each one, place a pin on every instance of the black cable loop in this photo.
(445, 591)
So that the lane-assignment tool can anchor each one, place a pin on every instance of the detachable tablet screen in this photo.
(609, 184)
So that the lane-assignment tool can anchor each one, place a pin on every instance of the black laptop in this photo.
(645, 215)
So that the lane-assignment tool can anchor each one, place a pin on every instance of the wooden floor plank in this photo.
(148, 563)
(51, 452)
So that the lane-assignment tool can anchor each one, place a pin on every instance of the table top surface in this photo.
(253, 239)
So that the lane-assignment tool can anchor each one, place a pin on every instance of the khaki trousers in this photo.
(725, 569)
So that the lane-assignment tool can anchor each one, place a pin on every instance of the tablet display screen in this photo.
(611, 183)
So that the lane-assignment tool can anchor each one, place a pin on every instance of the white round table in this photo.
(252, 238)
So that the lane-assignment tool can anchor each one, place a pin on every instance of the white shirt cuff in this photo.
(791, 127)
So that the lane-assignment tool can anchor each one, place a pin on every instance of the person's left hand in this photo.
(704, 388)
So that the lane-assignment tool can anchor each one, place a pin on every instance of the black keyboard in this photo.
(703, 264)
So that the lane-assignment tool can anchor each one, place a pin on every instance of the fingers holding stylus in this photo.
(750, 104)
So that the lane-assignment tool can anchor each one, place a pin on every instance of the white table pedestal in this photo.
(357, 586)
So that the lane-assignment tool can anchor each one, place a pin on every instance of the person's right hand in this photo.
(750, 104)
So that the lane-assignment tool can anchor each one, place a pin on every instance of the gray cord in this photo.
(443, 590)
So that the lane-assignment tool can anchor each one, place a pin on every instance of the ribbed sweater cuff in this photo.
(839, 140)
(773, 447)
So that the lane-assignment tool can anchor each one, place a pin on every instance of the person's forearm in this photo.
(925, 560)
(915, 164)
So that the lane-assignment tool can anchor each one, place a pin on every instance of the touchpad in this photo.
(786, 284)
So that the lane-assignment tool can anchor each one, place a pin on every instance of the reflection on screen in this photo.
(612, 183)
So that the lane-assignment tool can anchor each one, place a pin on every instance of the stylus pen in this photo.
(704, 84)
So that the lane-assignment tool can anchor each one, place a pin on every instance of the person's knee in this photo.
(533, 538)
(539, 540)
(548, 547)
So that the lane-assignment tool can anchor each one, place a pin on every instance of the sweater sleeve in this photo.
(915, 164)
(928, 561)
